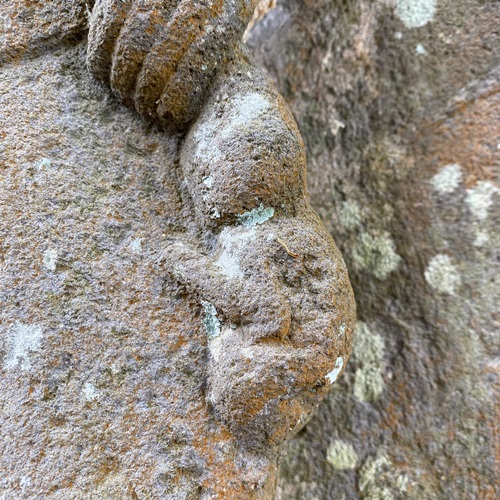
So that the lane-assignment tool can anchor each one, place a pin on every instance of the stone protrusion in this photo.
(278, 306)
(161, 57)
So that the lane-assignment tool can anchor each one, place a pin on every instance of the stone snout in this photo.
(278, 326)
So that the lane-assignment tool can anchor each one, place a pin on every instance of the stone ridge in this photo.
(161, 57)
(279, 308)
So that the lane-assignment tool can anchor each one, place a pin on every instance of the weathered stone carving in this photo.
(119, 241)
(278, 302)
(161, 57)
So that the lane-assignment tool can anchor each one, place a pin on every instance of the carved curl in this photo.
(161, 56)
(264, 265)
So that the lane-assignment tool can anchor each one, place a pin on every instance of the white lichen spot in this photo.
(332, 376)
(371, 479)
(208, 181)
(420, 50)
(214, 213)
(482, 237)
(136, 245)
(342, 330)
(377, 254)
(480, 198)
(256, 216)
(442, 275)
(25, 482)
(350, 214)
(368, 346)
(90, 392)
(23, 339)
(211, 321)
(335, 126)
(402, 481)
(215, 347)
(447, 179)
(368, 383)
(232, 242)
(211, 133)
(415, 13)
(248, 108)
(341, 455)
(43, 163)
(207, 147)
(50, 259)
(248, 353)
(368, 353)
(380, 479)
(5, 22)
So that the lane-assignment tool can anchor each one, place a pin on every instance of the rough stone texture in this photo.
(29, 28)
(398, 104)
(162, 57)
(172, 308)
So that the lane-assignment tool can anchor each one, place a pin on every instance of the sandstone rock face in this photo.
(172, 310)
(398, 104)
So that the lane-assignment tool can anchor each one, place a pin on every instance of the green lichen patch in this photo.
(211, 321)
(341, 455)
(442, 275)
(447, 179)
(23, 339)
(90, 392)
(256, 216)
(479, 199)
(379, 479)
(368, 352)
(50, 259)
(415, 13)
(135, 246)
(332, 376)
(376, 253)
(350, 214)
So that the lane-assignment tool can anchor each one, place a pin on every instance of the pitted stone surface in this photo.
(247, 145)
(161, 57)
(103, 357)
(178, 307)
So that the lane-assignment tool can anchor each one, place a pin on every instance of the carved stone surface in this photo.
(173, 309)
